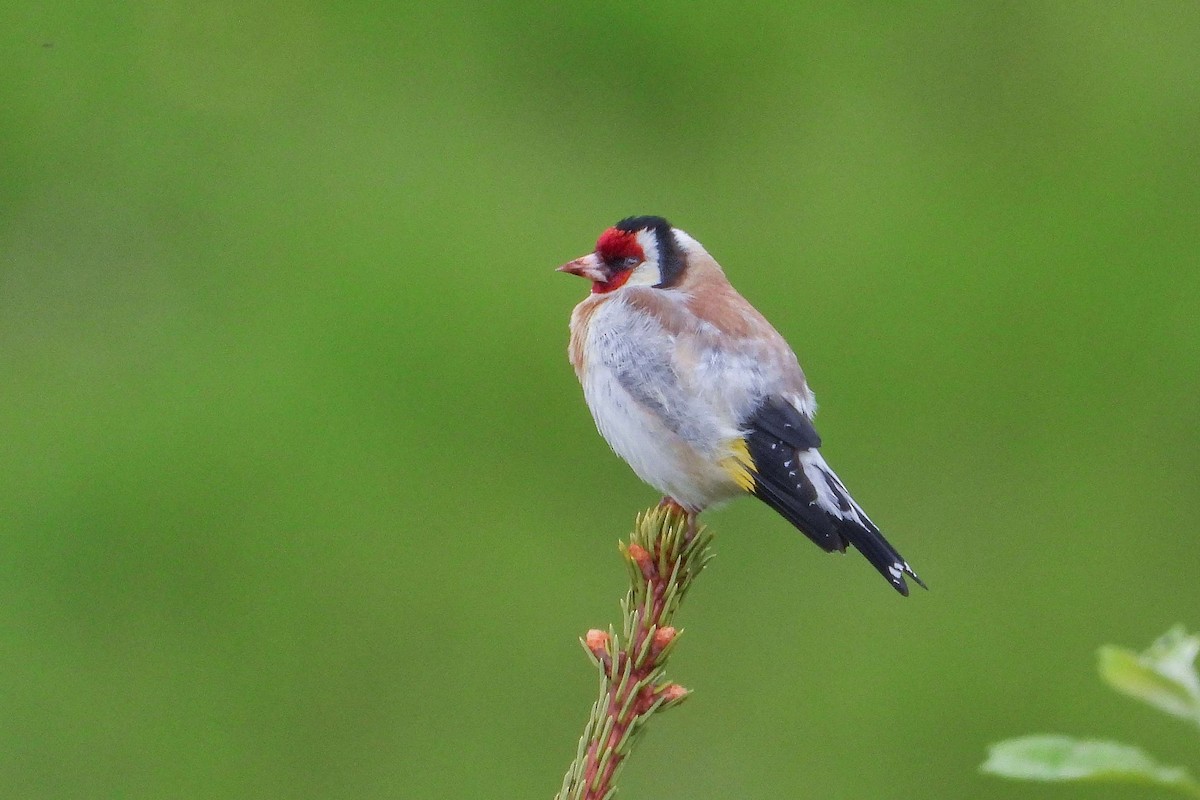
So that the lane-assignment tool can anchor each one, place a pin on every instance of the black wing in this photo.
(791, 477)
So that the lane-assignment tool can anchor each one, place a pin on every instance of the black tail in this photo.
(792, 478)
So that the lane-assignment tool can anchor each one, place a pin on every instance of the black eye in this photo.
(629, 262)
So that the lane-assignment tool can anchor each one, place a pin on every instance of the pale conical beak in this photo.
(585, 267)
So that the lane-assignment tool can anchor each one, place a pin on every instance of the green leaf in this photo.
(1061, 758)
(1164, 676)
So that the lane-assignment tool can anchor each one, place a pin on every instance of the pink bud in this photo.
(672, 692)
(643, 560)
(662, 638)
(597, 641)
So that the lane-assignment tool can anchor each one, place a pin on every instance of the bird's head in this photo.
(637, 251)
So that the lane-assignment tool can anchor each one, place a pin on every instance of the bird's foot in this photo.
(673, 504)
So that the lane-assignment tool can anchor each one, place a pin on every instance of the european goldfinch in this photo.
(693, 388)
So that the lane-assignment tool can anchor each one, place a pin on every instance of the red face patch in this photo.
(615, 244)
(613, 283)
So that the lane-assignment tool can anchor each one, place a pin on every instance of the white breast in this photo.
(670, 434)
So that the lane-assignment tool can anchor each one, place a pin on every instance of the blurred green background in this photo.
(300, 498)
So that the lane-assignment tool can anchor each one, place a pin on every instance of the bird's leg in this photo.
(673, 504)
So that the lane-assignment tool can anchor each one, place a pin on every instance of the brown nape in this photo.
(712, 298)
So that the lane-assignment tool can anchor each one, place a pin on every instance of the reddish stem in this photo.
(647, 615)
(632, 664)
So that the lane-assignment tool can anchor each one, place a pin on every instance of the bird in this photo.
(692, 387)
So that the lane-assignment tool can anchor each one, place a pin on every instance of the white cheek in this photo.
(646, 274)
